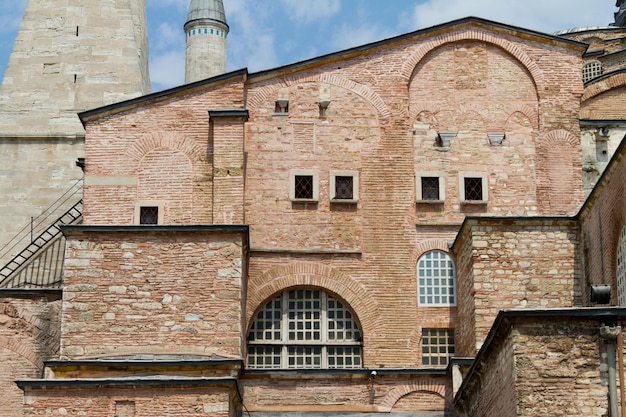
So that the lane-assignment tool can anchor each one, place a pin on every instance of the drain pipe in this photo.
(610, 334)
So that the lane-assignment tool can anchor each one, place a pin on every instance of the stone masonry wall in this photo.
(521, 264)
(152, 293)
(130, 402)
(29, 335)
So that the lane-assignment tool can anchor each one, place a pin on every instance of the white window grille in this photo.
(304, 328)
(592, 70)
(621, 268)
(436, 279)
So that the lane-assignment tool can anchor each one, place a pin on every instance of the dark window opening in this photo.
(344, 187)
(304, 187)
(149, 215)
(474, 189)
(437, 346)
(430, 188)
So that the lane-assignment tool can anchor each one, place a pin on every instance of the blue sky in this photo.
(269, 33)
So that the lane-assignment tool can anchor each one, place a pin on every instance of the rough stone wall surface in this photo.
(124, 402)
(598, 149)
(532, 265)
(181, 294)
(29, 335)
(159, 154)
(558, 369)
(465, 332)
(602, 222)
(496, 396)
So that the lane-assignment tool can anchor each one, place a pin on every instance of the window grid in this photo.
(591, 70)
(436, 279)
(315, 331)
(437, 346)
(344, 188)
(430, 188)
(149, 215)
(621, 268)
(303, 187)
(473, 189)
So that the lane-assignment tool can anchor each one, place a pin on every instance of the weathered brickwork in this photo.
(29, 335)
(133, 402)
(530, 264)
(181, 291)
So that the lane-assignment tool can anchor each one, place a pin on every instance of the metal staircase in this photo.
(40, 263)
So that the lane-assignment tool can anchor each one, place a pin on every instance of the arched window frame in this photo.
(591, 70)
(620, 272)
(432, 268)
(304, 328)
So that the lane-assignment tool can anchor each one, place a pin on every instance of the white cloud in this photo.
(169, 35)
(307, 11)
(541, 15)
(167, 69)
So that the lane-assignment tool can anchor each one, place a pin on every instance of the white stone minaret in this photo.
(206, 31)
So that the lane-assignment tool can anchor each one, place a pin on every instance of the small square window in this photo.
(437, 346)
(303, 186)
(473, 188)
(344, 186)
(429, 187)
(149, 215)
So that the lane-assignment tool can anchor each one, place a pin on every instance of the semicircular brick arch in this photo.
(40, 331)
(595, 88)
(361, 90)
(25, 351)
(526, 110)
(398, 392)
(560, 136)
(303, 274)
(430, 245)
(475, 35)
(170, 140)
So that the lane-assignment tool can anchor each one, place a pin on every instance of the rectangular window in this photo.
(429, 187)
(437, 346)
(149, 215)
(473, 187)
(303, 186)
(344, 186)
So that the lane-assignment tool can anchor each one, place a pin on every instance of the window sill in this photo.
(304, 200)
(474, 202)
(280, 114)
(430, 201)
(343, 201)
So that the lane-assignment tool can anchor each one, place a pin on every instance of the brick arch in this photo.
(522, 57)
(429, 386)
(19, 348)
(595, 88)
(420, 107)
(430, 245)
(361, 90)
(560, 136)
(39, 329)
(171, 140)
(279, 278)
(526, 110)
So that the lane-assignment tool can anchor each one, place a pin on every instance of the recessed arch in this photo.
(604, 84)
(171, 140)
(303, 274)
(429, 386)
(476, 35)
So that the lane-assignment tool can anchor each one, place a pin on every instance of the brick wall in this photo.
(29, 335)
(181, 292)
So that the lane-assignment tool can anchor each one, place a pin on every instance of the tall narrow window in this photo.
(437, 346)
(149, 215)
(436, 279)
(304, 328)
(621, 268)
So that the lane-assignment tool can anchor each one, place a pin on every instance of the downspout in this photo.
(610, 334)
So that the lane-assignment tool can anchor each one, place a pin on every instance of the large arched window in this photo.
(304, 328)
(621, 268)
(436, 280)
